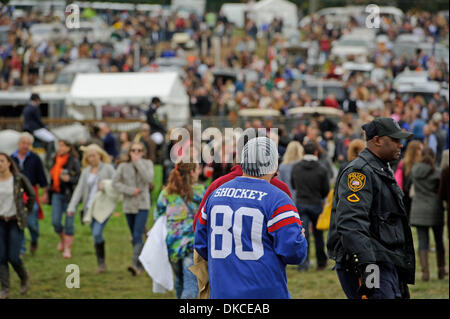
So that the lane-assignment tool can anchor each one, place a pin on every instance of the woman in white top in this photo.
(96, 168)
(17, 199)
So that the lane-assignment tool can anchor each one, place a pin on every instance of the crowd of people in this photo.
(111, 167)
(97, 179)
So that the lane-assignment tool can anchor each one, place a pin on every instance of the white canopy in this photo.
(235, 13)
(263, 12)
(133, 88)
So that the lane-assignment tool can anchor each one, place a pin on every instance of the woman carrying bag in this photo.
(179, 201)
(133, 178)
(96, 169)
(17, 199)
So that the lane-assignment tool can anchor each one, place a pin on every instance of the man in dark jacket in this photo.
(157, 128)
(109, 141)
(370, 237)
(34, 125)
(32, 115)
(310, 180)
(30, 165)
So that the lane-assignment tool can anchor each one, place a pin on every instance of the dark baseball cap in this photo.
(385, 126)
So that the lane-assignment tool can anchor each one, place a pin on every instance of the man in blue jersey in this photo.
(249, 230)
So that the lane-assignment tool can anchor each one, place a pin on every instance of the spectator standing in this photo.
(294, 154)
(144, 137)
(430, 137)
(402, 173)
(260, 273)
(125, 143)
(95, 136)
(354, 148)
(30, 165)
(13, 219)
(64, 175)
(236, 171)
(427, 211)
(343, 141)
(310, 181)
(179, 201)
(133, 178)
(109, 141)
(96, 169)
(444, 189)
(157, 128)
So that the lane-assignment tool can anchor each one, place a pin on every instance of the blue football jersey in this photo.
(248, 231)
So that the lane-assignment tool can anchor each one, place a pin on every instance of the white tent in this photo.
(265, 11)
(133, 88)
(235, 13)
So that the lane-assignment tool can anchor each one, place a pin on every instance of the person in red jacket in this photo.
(331, 101)
(200, 267)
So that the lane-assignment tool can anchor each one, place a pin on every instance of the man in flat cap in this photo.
(370, 237)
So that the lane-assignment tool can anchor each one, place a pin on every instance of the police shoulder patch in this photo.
(356, 181)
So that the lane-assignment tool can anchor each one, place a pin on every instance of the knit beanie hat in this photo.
(259, 157)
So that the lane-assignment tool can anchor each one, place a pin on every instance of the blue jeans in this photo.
(97, 230)
(186, 285)
(59, 208)
(11, 237)
(33, 227)
(309, 215)
(136, 223)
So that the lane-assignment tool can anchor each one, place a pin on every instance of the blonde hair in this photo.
(411, 156)
(104, 157)
(354, 148)
(294, 152)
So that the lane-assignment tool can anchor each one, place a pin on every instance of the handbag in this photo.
(323, 221)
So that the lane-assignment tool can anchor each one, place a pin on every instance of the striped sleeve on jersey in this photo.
(202, 217)
(284, 215)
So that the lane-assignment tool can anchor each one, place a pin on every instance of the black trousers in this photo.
(390, 285)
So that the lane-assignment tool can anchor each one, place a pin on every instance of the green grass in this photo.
(48, 274)
(324, 284)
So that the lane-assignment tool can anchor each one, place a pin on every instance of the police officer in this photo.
(370, 237)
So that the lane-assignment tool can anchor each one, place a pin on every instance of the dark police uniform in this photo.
(369, 225)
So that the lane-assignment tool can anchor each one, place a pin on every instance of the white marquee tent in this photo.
(134, 88)
(263, 12)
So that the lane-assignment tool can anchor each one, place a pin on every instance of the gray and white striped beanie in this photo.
(259, 157)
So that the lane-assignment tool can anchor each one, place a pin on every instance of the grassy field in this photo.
(48, 270)
(48, 274)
